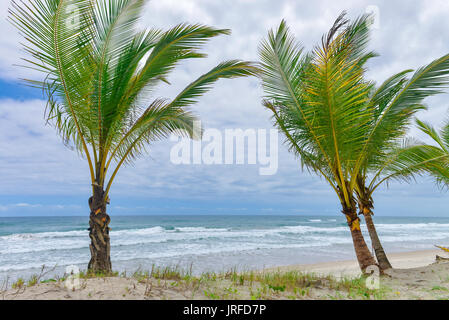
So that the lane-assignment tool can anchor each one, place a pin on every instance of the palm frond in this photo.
(225, 70)
(177, 44)
(158, 121)
(387, 91)
(439, 170)
(428, 129)
(309, 161)
(321, 97)
(444, 133)
(392, 121)
(114, 31)
(97, 66)
(409, 161)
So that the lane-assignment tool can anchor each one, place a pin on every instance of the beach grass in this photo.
(430, 281)
(271, 285)
(253, 285)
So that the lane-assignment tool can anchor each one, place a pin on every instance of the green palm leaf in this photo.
(408, 161)
(438, 167)
(99, 71)
(320, 97)
(396, 101)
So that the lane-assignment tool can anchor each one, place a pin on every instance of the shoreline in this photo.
(350, 268)
(344, 267)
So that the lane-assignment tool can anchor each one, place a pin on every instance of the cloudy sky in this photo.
(39, 176)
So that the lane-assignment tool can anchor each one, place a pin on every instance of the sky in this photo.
(40, 176)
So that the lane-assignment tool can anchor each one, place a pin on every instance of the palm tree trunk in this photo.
(99, 220)
(364, 256)
(382, 258)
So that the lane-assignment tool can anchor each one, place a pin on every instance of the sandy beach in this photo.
(350, 268)
(416, 275)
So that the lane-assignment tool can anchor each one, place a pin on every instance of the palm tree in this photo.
(100, 72)
(384, 157)
(318, 101)
(338, 123)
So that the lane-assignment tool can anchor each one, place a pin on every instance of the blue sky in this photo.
(40, 176)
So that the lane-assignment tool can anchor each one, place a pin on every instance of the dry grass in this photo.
(175, 282)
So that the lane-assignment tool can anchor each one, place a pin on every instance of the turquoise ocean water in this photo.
(204, 243)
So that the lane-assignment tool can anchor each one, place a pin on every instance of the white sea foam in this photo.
(201, 229)
(413, 226)
(31, 250)
(41, 235)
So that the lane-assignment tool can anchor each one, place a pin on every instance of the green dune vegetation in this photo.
(99, 72)
(341, 125)
(177, 283)
(168, 283)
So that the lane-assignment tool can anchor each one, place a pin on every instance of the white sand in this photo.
(415, 276)
(350, 268)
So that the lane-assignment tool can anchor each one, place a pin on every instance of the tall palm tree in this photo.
(100, 73)
(318, 100)
(338, 123)
(384, 156)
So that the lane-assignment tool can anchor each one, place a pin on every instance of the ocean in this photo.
(201, 243)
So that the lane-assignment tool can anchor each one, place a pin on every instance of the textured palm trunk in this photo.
(382, 258)
(99, 220)
(362, 252)
(366, 206)
(364, 256)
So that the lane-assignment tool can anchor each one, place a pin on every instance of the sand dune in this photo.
(416, 275)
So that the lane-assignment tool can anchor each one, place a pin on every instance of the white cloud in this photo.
(33, 158)
(24, 205)
(34, 161)
(27, 205)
